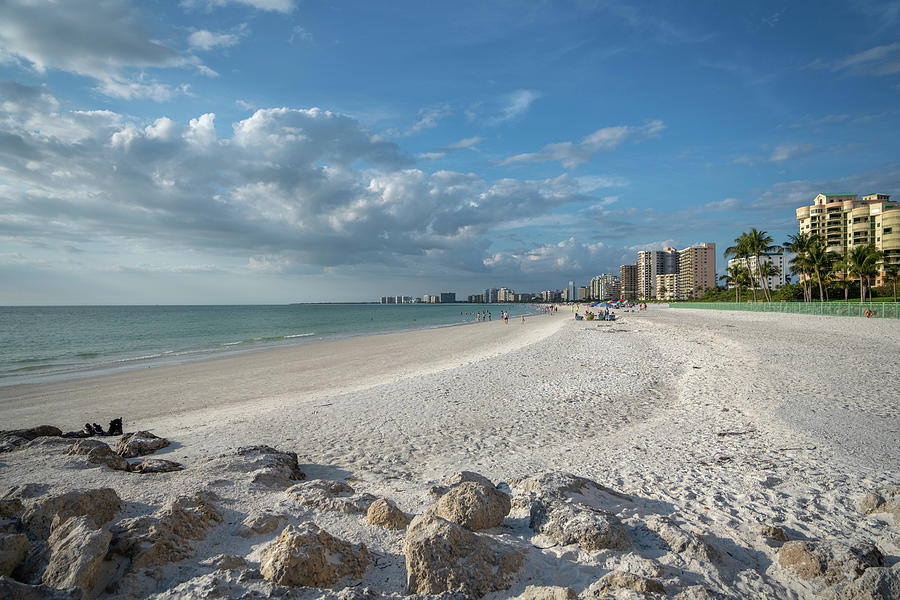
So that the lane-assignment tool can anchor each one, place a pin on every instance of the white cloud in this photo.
(100, 40)
(282, 6)
(589, 183)
(572, 154)
(428, 118)
(516, 104)
(786, 152)
(207, 40)
(289, 187)
(469, 143)
(659, 245)
(880, 60)
(431, 155)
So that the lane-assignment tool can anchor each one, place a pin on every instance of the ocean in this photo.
(60, 342)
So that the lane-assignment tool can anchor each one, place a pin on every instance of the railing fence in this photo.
(879, 310)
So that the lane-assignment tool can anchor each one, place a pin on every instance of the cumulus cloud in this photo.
(287, 187)
(100, 40)
(572, 154)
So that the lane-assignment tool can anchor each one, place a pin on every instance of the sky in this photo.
(276, 151)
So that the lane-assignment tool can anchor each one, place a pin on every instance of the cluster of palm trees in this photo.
(750, 247)
(813, 262)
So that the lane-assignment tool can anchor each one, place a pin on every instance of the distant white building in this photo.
(773, 282)
(605, 287)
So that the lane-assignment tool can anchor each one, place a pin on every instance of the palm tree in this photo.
(737, 277)
(740, 251)
(800, 245)
(863, 264)
(759, 243)
(892, 275)
(820, 261)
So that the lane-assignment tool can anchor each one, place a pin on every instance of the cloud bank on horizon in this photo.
(207, 152)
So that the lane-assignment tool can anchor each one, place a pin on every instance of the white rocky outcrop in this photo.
(139, 443)
(474, 505)
(310, 556)
(445, 557)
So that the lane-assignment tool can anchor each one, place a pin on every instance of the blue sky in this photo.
(240, 151)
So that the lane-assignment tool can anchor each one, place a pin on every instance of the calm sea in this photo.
(59, 342)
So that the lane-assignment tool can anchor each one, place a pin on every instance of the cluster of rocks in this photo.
(129, 445)
(475, 538)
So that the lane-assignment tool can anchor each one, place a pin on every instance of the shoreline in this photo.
(159, 358)
(252, 374)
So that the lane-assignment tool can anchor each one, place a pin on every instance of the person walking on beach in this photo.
(523, 319)
(506, 318)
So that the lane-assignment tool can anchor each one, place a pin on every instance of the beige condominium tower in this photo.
(696, 270)
(844, 221)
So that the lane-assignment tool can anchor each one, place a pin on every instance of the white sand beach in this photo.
(706, 425)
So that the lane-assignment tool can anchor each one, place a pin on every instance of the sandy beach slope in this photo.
(711, 424)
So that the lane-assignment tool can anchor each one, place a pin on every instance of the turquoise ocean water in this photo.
(59, 342)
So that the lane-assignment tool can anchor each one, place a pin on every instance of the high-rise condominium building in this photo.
(628, 280)
(490, 295)
(773, 282)
(667, 286)
(843, 222)
(650, 264)
(605, 287)
(696, 270)
(584, 292)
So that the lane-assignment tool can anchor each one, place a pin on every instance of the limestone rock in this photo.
(266, 465)
(462, 476)
(884, 500)
(681, 541)
(561, 486)
(139, 443)
(444, 557)
(330, 495)
(385, 513)
(307, 555)
(98, 453)
(10, 507)
(166, 535)
(695, 592)
(258, 523)
(14, 590)
(13, 549)
(473, 505)
(546, 592)
(77, 549)
(876, 583)
(25, 491)
(100, 505)
(773, 533)
(623, 580)
(591, 528)
(833, 560)
(156, 465)
(15, 438)
(225, 562)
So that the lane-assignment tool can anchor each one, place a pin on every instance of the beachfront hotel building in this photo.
(844, 221)
(584, 292)
(696, 270)
(605, 287)
(667, 286)
(773, 282)
(650, 264)
(628, 282)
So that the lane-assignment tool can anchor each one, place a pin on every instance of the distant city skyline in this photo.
(273, 151)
